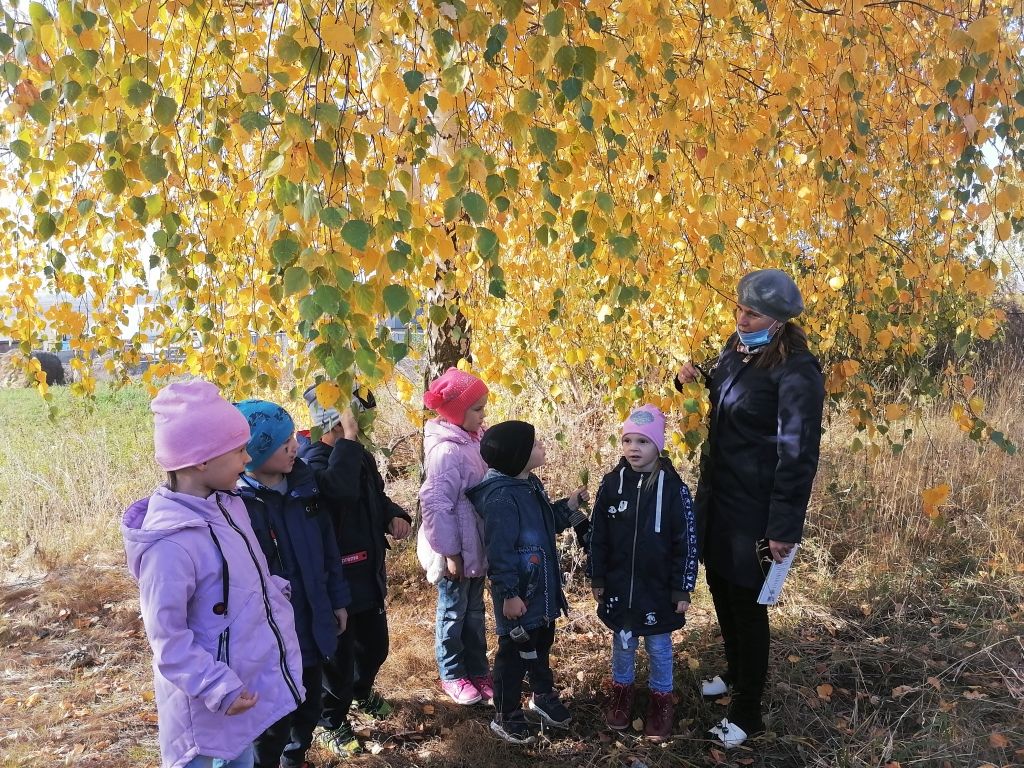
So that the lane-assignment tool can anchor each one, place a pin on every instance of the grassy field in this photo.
(898, 640)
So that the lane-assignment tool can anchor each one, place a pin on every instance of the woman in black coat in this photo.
(767, 394)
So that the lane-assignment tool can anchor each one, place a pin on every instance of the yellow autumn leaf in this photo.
(327, 394)
(933, 498)
(895, 411)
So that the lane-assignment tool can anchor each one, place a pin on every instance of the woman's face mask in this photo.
(754, 339)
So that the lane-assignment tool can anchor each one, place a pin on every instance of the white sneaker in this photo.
(728, 734)
(716, 686)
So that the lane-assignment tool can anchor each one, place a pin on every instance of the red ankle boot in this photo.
(619, 707)
(660, 718)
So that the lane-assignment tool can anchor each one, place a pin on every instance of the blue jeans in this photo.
(460, 640)
(244, 760)
(659, 654)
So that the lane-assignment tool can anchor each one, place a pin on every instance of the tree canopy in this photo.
(588, 179)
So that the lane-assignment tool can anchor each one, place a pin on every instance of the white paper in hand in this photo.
(776, 577)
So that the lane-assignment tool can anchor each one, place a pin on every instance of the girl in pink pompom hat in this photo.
(450, 543)
(226, 660)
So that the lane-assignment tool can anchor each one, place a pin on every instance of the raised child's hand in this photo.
(350, 424)
(243, 703)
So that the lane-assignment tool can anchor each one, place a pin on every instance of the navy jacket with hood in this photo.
(361, 512)
(643, 549)
(759, 461)
(297, 538)
(520, 523)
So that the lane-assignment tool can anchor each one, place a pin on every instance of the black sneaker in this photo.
(340, 742)
(514, 727)
(550, 709)
(374, 705)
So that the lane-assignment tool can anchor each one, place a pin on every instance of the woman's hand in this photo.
(341, 616)
(513, 608)
(598, 593)
(453, 568)
(687, 374)
(243, 703)
(780, 550)
(577, 497)
(682, 606)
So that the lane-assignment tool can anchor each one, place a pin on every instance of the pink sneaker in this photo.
(461, 691)
(486, 687)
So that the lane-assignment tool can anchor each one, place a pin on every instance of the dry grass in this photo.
(899, 639)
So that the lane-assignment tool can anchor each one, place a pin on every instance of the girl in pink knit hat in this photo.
(643, 555)
(450, 542)
(226, 659)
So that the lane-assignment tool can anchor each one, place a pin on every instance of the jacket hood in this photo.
(493, 481)
(441, 431)
(163, 514)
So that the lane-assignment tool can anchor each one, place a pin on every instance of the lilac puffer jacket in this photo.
(209, 646)
(450, 525)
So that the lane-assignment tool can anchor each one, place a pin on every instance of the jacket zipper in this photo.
(266, 605)
(636, 525)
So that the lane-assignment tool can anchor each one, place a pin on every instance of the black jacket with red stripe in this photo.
(361, 513)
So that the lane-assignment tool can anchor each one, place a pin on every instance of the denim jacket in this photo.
(520, 523)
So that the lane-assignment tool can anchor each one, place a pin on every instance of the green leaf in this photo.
(527, 101)
(605, 202)
(40, 113)
(451, 207)
(454, 79)
(475, 206)
(115, 181)
(444, 45)
(21, 149)
(586, 62)
(497, 289)
(332, 217)
(284, 249)
(296, 279)
(572, 87)
(356, 233)
(537, 48)
(717, 243)
(413, 79)
(396, 298)
(579, 223)
(135, 92)
(545, 139)
(554, 22)
(565, 59)
(165, 109)
(494, 184)
(253, 121)
(486, 243)
(79, 152)
(706, 203)
(154, 168)
(46, 226)
(327, 113)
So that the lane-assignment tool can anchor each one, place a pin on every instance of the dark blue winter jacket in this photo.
(298, 540)
(643, 549)
(520, 523)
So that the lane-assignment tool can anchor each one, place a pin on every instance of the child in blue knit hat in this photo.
(296, 535)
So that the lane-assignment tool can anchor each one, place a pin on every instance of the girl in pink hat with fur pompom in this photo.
(450, 543)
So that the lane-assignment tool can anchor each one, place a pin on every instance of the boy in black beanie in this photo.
(520, 524)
